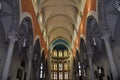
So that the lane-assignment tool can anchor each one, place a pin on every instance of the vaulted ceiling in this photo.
(59, 18)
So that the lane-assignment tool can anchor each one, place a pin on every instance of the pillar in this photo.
(106, 33)
(90, 55)
(110, 58)
(29, 54)
(12, 39)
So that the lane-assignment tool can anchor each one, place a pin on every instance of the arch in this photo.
(62, 39)
(27, 22)
(60, 43)
(83, 37)
(91, 29)
(58, 35)
(25, 33)
(37, 37)
(42, 49)
(93, 15)
(93, 34)
(23, 17)
(94, 41)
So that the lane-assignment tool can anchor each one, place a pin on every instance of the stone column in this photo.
(29, 54)
(106, 34)
(12, 39)
(90, 55)
(110, 58)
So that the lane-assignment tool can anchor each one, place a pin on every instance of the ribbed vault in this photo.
(59, 18)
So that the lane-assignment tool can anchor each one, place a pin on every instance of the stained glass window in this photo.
(65, 66)
(60, 76)
(55, 53)
(55, 66)
(60, 53)
(55, 75)
(52, 75)
(65, 53)
(60, 66)
(66, 75)
(52, 66)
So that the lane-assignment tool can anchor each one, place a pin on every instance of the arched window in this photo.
(65, 53)
(55, 75)
(60, 75)
(60, 66)
(55, 53)
(65, 66)
(55, 66)
(52, 65)
(66, 75)
(41, 71)
(60, 53)
(79, 69)
(52, 75)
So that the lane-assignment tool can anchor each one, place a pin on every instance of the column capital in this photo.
(12, 36)
(106, 34)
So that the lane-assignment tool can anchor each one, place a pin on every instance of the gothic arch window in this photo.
(55, 53)
(55, 66)
(65, 53)
(65, 66)
(60, 53)
(59, 68)
(41, 70)
(66, 75)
